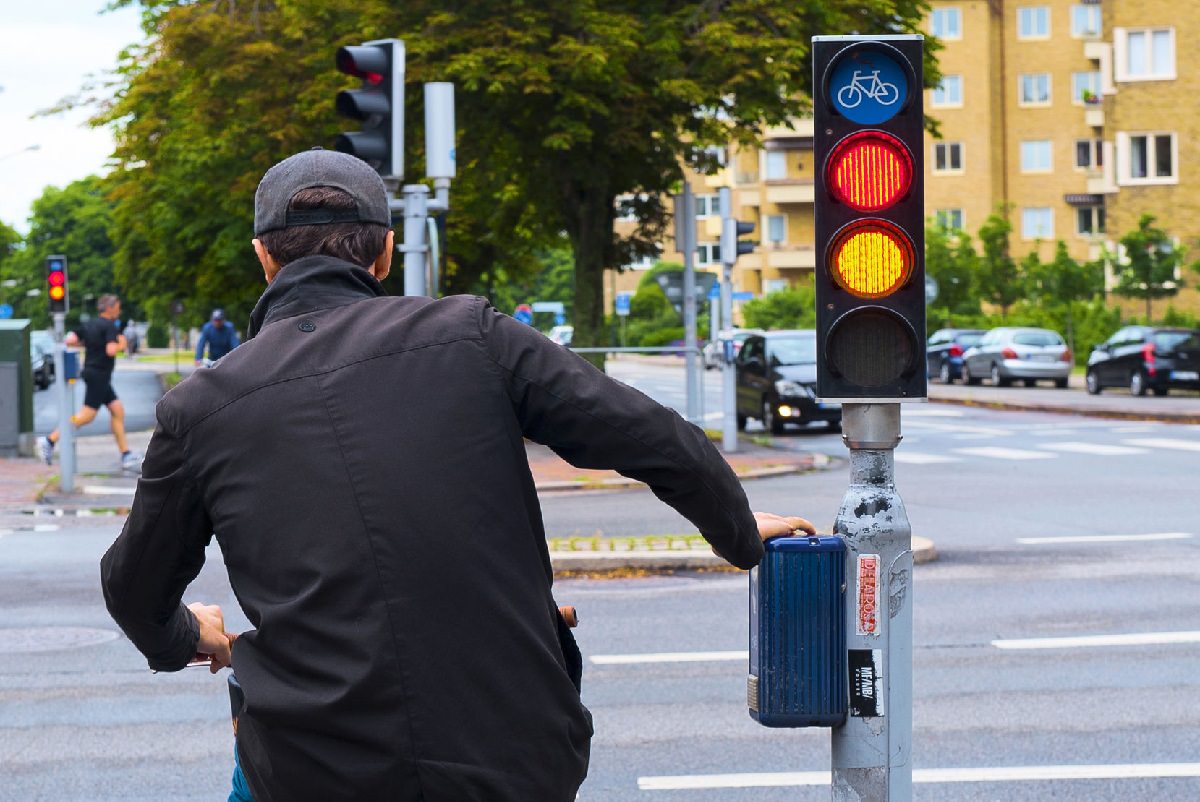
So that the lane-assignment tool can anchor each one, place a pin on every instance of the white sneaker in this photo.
(46, 449)
(131, 461)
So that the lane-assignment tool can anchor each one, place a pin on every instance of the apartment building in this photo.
(1075, 116)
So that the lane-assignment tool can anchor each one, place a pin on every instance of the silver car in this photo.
(1005, 354)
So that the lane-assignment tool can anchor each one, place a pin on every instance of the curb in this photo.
(1111, 414)
(614, 563)
(812, 462)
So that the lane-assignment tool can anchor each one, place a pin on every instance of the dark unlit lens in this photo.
(871, 347)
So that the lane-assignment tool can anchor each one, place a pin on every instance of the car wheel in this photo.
(1060, 384)
(967, 377)
(1031, 382)
(835, 425)
(1159, 391)
(944, 373)
(1137, 383)
(741, 422)
(1093, 383)
(770, 421)
(997, 379)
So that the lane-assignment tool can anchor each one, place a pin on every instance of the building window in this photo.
(1148, 158)
(946, 23)
(949, 219)
(708, 206)
(1089, 220)
(1085, 22)
(1035, 156)
(776, 167)
(1089, 153)
(1085, 87)
(776, 229)
(1037, 223)
(1035, 89)
(1033, 22)
(770, 285)
(947, 157)
(625, 209)
(708, 253)
(948, 92)
(1144, 54)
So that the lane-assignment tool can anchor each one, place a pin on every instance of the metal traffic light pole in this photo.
(729, 432)
(66, 429)
(685, 237)
(415, 203)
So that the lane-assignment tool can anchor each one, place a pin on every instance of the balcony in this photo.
(800, 127)
(783, 256)
(1102, 181)
(791, 190)
(750, 197)
(1093, 115)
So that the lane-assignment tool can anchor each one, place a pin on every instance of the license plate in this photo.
(1043, 357)
(1185, 375)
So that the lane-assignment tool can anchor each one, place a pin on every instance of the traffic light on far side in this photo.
(378, 103)
(56, 283)
(870, 217)
(732, 245)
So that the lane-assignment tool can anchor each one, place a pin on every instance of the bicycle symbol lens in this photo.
(868, 87)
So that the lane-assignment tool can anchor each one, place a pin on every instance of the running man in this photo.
(103, 341)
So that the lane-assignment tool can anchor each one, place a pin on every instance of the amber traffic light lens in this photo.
(871, 258)
(57, 292)
(870, 170)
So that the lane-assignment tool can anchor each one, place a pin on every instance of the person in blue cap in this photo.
(218, 336)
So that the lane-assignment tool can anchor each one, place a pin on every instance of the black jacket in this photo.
(362, 465)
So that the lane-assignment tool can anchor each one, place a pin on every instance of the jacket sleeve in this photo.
(160, 550)
(593, 421)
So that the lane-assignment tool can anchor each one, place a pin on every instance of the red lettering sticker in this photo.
(868, 594)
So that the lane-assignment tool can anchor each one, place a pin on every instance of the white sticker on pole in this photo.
(867, 601)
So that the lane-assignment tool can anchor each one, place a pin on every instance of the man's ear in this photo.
(383, 262)
(269, 265)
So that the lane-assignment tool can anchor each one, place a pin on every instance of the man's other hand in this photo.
(771, 525)
(214, 641)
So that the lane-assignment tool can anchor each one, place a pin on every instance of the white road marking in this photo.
(1160, 442)
(1088, 641)
(917, 458)
(108, 490)
(996, 452)
(1037, 541)
(1098, 449)
(1131, 429)
(1116, 771)
(961, 428)
(666, 657)
(931, 412)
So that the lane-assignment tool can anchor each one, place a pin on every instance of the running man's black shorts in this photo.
(99, 392)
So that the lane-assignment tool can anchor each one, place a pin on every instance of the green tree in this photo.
(997, 272)
(951, 261)
(793, 308)
(73, 221)
(1151, 262)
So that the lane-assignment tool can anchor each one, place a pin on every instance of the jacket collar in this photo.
(311, 283)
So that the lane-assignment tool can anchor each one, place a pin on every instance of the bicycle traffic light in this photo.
(870, 216)
(378, 103)
(56, 283)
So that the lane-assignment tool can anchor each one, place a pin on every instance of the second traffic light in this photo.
(378, 104)
(56, 284)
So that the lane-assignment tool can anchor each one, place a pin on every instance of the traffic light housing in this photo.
(732, 245)
(870, 217)
(57, 290)
(378, 104)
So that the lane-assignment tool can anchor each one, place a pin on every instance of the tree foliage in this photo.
(793, 308)
(997, 272)
(1150, 264)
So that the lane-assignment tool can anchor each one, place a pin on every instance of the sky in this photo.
(48, 50)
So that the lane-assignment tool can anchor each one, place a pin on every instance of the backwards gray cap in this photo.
(319, 168)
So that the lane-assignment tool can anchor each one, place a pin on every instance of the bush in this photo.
(793, 308)
(157, 336)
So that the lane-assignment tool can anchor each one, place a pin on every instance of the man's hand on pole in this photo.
(214, 641)
(771, 525)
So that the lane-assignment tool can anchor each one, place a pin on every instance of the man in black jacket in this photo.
(361, 462)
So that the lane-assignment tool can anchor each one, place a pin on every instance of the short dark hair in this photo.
(360, 243)
(106, 302)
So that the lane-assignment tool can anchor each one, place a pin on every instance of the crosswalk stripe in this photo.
(1162, 442)
(108, 490)
(667, 657)
(917, 458)
(1113, 771)
(996, 452)
(1090, 641)
(1038, 541)
(1098, 449)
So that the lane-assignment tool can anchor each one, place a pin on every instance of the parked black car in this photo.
(1146, 358)
(777, 381)
(41, 356)
(944, 352)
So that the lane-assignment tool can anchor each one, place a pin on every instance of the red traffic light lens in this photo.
(56, 278)
(363, 62)
(869, 171)
(871, 258)
(57, 292)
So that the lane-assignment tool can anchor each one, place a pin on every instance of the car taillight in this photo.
(1148, 357)
(1066, 356)
(956, 350)
(1009, 353)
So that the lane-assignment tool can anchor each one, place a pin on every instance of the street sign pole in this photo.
(871, 754)
(728, 377)
(66, 430)
(687, 209)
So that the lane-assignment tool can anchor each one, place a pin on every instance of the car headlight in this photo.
(792, 389)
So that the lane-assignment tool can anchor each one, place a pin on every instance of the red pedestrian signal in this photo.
(56, 283)
(870, 216)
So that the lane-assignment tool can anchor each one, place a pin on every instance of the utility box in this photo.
(798, 671)
(16, 389)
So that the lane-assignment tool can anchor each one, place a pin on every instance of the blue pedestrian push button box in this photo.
(798, 675)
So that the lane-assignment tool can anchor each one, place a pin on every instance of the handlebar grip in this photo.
(569, 616)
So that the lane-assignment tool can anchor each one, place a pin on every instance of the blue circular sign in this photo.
(6, 311)
(868, 87)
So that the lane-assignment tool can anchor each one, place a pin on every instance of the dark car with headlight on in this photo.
(777, 381)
